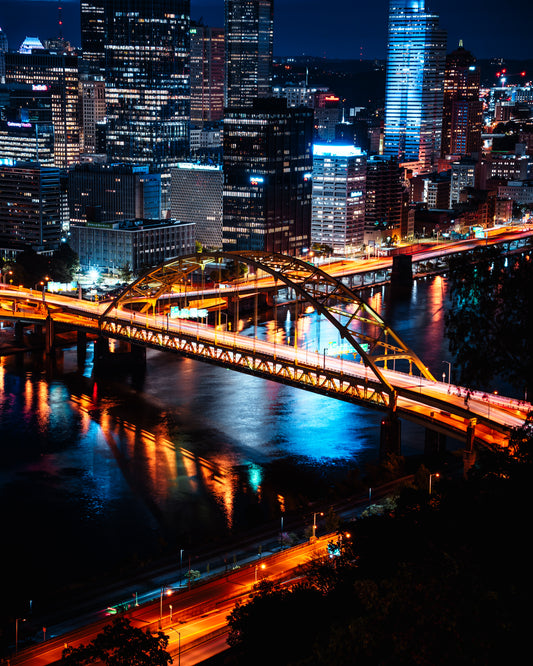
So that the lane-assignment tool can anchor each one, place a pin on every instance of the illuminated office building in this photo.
(196, 197)
(267, 177)
(207, 74)
(93, 112)
(385, 200)
(92, 23)
(3, 50)
(249, 42)
(338, 210)
(413, 97)
(30, 205)
(462, 115)
(113, 192)
(147, 80)
(57, 74)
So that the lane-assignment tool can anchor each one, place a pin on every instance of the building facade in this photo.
(93, 112)
(59, 75)
(207, 74)
(414, 85)
(249, 30)
(462, 117)
(196, 197)
(30, 205)
(384, 199)
(137, 244)
(147, 80)
(101, 193)
(338, 208)
(267, 177)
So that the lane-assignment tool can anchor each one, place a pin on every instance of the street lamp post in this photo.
(449, 371)
(22, 619)
(436, 475)
(314, 521)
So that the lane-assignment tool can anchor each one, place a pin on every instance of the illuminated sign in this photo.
(308, 176)
(256, 180)
(11, 124)
(331, 150)
(39, 86)
(187, 313)
(357, 193)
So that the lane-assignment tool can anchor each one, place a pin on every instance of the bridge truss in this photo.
(371, 339)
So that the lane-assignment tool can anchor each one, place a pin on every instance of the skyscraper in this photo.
(413, 97)
(92, 23)
(338, 211)
(59, 75)
(207, 74)
(249, 42)
(267, 177)
(462, 119)
(147, 80)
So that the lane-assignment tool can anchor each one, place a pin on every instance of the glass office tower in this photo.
(415, 73)
(249, 26)
(147, 80)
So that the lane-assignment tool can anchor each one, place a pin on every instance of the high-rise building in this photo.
(267, 177)
(413, 97)
(462, 118)
(249, 42)
(147, 80)
(30, 205)
(113, 192)
(93, 112)
(338, 209)
(196, 196)
(3, 50)
(57, 73)
(93, 35)
(207, 74)
(384, 203)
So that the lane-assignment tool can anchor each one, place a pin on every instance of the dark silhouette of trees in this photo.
(120, 644)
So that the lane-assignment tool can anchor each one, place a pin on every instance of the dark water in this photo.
(95, 473)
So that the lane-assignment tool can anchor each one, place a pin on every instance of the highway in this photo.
(195, 620)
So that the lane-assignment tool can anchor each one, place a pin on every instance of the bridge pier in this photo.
(470, 435)
(135, 356)
(49, 335)
(434, 443)
(19, 332)
(390, 436)
(402, 270)
(81, 346)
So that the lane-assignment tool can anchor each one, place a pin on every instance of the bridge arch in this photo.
(357, 323)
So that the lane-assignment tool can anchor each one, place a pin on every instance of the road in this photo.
(195, 619)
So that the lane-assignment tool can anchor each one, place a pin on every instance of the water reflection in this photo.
(97, 471)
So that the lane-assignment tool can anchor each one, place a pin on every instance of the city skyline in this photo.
(346, 31)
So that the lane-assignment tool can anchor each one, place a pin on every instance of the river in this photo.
(97, 473)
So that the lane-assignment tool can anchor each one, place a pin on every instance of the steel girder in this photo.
(357, 323)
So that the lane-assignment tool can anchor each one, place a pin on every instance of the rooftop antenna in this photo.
(60, 22)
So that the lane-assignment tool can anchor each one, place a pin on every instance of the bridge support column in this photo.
(49, 335)
(435, 443)
(402, 270)
(391, 431)
(81, 346)
(19, 332)
(138, 354)
(470, 435)
(101, 351)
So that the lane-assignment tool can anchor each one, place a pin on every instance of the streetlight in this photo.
(436, 475)
(22, 619)
(181, 563)
(449, 370)
(169, 591)
(314, 521)
(256, 568)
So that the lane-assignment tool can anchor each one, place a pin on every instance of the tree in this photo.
(65, 264)
(120, 644)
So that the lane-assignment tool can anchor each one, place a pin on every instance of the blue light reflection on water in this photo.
(96, 471)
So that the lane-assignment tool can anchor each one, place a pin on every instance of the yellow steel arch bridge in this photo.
(384, 374)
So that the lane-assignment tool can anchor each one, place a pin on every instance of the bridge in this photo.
(381, 373)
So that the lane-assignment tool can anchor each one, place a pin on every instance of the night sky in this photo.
(332, 29)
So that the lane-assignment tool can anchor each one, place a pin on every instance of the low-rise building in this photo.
(136, 244)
